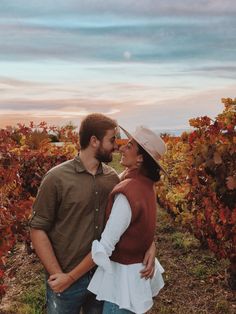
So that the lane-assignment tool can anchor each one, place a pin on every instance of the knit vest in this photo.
(133, 244)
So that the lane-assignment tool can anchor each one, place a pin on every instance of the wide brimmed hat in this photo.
(151, 142)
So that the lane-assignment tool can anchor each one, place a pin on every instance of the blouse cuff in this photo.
(100, 256)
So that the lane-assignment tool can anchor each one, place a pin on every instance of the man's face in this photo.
(107, 146)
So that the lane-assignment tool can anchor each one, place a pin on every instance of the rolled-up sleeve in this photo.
(117, 223)
(46, 204)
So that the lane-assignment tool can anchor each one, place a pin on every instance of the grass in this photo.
(222, 307)
(184, 241)
(115, 163)
(27, 308)
(34, 299)
(167, 310)
(31, 301)
(199, 271)
(26, 289)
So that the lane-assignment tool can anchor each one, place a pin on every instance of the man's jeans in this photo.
(73, 299)
(111, 308)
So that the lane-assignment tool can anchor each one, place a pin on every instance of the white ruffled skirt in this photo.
(122, 284)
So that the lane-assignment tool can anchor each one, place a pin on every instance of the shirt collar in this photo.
(79, 166)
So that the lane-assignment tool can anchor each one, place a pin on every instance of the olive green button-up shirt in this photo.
(70, 208)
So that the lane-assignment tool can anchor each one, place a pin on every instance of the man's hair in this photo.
(95, 124)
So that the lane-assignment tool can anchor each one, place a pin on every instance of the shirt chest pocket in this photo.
(77, 198)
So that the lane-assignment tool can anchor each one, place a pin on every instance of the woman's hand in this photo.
(149, 262)
(60, 282)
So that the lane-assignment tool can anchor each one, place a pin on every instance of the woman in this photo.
(129, 232)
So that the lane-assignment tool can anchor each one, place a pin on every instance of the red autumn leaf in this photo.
(222, 215)
(231, 182)
(217, 158)
(233, 217)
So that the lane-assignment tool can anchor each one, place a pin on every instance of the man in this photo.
(68, 214)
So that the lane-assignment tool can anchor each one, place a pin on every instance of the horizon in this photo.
(171, 132)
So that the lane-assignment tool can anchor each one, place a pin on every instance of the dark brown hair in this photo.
(95, 124)
(149, 167)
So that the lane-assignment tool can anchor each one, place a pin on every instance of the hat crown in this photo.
(150, 141)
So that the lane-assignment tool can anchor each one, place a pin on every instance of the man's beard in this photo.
(103, 156)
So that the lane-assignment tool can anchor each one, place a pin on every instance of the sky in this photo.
(157, 63)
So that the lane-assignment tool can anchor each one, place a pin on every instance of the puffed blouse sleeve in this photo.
(116, 225)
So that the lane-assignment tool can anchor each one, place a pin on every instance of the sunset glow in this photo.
(156, 63)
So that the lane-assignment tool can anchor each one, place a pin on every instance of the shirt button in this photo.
(96, 192)
(96, 209)
(96, 227)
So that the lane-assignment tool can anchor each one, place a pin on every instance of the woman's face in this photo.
(129, 155)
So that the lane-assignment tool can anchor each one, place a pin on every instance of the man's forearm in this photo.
(44, 250)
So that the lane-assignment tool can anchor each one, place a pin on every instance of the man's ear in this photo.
(94, 141)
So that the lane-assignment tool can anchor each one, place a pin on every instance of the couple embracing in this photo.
(93, 231)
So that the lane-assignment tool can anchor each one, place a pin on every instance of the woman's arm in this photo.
(61, 281)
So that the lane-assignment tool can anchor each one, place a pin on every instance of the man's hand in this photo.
(149, 262)
(60, 282)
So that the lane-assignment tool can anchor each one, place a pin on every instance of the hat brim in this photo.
(137, 140)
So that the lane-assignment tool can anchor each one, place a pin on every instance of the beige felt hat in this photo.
(151, 142)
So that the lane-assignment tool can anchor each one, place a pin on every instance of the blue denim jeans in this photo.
(112, 308)
(73, 299)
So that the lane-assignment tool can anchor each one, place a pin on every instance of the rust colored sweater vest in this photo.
(133, 244)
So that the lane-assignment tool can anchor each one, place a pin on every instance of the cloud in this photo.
(224, 71)
(124, 7)
(54, 112)
(77, 39)
(136, 60)
(160, 114)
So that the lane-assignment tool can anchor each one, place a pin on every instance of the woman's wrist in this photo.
(71, 278)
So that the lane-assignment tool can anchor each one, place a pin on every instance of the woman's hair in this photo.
(95, 124)
(149, 167)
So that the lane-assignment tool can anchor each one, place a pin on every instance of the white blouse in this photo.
(118, 283)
